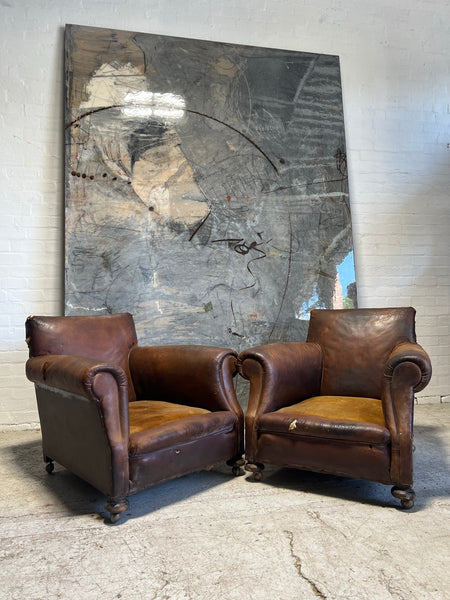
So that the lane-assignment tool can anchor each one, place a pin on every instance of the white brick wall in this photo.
(395, 78)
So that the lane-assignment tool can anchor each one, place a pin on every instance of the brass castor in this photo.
(405, 495)
(236, 465)
(256, 469)
(49, 467)
(115, 509)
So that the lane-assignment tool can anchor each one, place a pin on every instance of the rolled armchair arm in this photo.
(85, 377)
(409, 352)
(408, 370)
(281, 374)
(200, 376)
(75, 374)
(64, 384)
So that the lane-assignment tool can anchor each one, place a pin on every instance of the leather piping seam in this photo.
(335, 439)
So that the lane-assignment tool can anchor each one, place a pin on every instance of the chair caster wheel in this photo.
(49, 467)
(115, 509)
(406, 496)
(256, 469)
(236, 464)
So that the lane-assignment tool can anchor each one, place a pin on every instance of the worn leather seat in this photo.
(124, 417)
(342, 402)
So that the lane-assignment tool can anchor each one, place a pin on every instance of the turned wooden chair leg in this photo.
(406, 495)
(236, 464)
(256, 469)
(116, 508)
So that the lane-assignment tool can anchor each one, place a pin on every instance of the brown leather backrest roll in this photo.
(356, 344)
(104, 338)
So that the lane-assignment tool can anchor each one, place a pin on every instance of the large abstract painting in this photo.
(206, 187)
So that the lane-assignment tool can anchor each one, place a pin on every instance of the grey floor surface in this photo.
(294, 536)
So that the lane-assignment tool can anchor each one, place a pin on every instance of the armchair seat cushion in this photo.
(169, 425)
(147, 414)
(334, 417)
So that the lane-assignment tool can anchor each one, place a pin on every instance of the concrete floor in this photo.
(295, 536)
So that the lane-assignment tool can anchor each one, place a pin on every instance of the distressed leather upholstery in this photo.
(342, 402)
(124, 417)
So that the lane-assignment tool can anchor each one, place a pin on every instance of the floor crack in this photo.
(298, 566)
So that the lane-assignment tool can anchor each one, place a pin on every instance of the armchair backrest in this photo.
(105, 338)
(356, 344)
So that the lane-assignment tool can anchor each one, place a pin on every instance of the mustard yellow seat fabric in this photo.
(157, 425)
(360, 420)
(147, 414)
(341, 408)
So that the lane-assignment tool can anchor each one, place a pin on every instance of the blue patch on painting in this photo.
(346, 271)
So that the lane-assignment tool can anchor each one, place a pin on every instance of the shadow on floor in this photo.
(432, 481)
(431, 477)
(80, 498)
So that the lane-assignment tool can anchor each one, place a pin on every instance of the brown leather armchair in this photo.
(124, 417)
(342, 402)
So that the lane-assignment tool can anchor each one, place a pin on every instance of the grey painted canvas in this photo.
(206, 187)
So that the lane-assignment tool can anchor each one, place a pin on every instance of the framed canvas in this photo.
(206, 187)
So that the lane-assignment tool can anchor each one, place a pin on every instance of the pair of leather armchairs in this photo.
(125, 417)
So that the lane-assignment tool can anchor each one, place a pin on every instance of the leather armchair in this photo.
(342, 402)
(124, 417)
